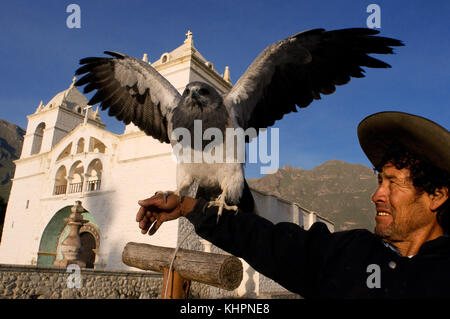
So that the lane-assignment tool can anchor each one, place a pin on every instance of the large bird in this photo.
(288, 74)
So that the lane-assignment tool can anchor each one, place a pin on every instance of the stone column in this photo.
(70, 247)
(86, 181)
(69, 184)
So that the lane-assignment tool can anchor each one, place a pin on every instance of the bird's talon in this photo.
(221, 204)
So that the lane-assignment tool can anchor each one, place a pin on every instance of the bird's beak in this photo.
(194, 95)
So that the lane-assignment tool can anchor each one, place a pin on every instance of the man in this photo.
(409, 254)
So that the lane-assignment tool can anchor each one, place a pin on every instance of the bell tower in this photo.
(51, 122)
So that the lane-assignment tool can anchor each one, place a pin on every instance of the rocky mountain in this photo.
(11, 140)
(336, 190)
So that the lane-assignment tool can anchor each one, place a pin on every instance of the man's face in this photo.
(402, 211)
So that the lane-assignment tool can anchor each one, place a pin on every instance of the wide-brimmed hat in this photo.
(427, 139)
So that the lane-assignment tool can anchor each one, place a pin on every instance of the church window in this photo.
(28, 204)
(96, 146)
(94, 175)
(165, 58)
(65, 152)
(60, 181)
(80, 146)
(76, 177)
(37, 138)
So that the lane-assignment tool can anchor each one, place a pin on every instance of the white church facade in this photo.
(69, 156)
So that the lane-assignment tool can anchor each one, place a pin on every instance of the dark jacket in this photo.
(319, 264)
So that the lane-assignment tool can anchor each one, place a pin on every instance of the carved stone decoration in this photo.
(94, 231)
(70, 247)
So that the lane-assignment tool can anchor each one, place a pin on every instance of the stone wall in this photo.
(36, 282)
(31, 282)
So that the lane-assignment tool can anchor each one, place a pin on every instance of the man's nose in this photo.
(380, 194)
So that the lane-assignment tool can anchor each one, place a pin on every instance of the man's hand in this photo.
(154, 211)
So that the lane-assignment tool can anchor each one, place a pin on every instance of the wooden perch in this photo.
(222, 271)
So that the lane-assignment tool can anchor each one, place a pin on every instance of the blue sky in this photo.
(39, 54)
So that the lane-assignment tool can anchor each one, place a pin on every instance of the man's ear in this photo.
(438, 198)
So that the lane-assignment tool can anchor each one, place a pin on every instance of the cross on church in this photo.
(188, 37)
(73, 82)
(86, 110)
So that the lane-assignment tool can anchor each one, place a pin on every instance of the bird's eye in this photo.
(186, 91)
(203, 92)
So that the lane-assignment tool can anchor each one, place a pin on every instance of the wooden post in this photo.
(178, 287)
(222, 271)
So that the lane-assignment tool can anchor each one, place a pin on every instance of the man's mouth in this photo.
(382, 214)
(382, 210)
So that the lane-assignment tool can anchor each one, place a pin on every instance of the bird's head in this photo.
(201, 95)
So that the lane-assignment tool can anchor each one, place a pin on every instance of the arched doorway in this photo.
(87, 250)
(57, 230)
(49, 239)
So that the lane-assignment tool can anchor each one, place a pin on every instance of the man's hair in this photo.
(425, 176)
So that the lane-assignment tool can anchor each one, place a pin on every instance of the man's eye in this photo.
(394, 183)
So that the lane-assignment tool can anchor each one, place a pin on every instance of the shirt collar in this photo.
(394, 249)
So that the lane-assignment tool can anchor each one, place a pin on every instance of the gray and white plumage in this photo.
(288, 74)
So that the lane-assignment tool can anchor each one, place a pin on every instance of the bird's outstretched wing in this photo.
(131, 90)
(296, 70)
